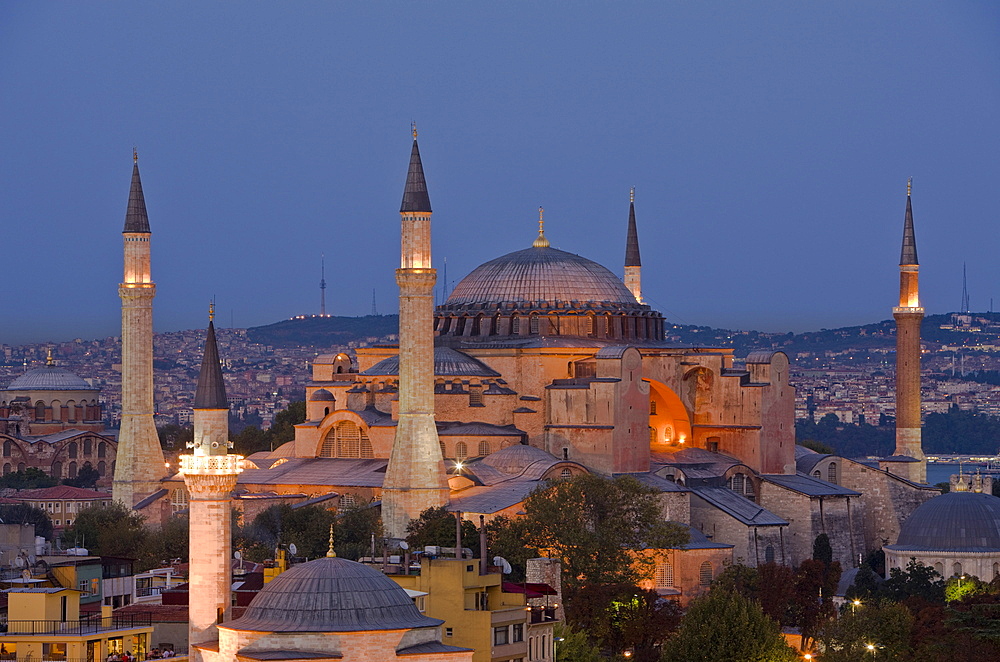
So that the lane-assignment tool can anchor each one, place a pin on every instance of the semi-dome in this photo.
(49, 378)
(540, 274)
(322, 395)
(957, 521)
(331, 594)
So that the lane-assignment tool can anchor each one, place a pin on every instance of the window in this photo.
(102, 449)
(652, 407)
(87, 446)
(72, 449)
(54, 651)
(346, 439)
(956, 569)
(517, 632)
(818, 475)
(476, 396)
(769, 554)
(565, 473)
(448, 632)
(461, 451)
(500, 636)
(6, 448)
(533, 324)
(495, 325)
(831, 472)
(8, 651)
(58, 523)
(713, 444)
(484, 448)
(515, 325)
(736, 483)
(348, 501)
(444, 451)
(705, 574)
(592, 324)
(664, 577)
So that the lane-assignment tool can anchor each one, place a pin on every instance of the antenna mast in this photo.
(322, 285)
(965, 291)
(374, 308)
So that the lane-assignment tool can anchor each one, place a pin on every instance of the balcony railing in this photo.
(83, 626)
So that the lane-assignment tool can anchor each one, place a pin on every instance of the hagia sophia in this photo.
(541, 365)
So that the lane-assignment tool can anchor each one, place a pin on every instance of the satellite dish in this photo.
(237, 555)
(293, 549)
(404, 545)
(19, 561)
(502, 563)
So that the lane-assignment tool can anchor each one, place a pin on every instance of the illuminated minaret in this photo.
(633, 265)
(139, 464)
(210, 473)
(322, 286)
(908, 316)
(415, 478)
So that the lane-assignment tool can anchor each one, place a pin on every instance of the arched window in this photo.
(87, 446)
(484, 448)
(178, 499)
(652, 434)
(20, 467)
(57, 469)
(515, 325)
(39, 411)
(348, 501)
(346, 440)
(7, 468)
(461, 451)
(652, 407)
(939, 568)
(565, 473)
(664, 577)
(495, 325)
(956, 569)
(592, 324)
(72, 469)
(818, 474)
(460, 329)
(72, 449)
(705, 574)
(102, 468)
(477, 324)
(831, 472)
(996, 569)
(608, 330)
(6, 448)
(769, 554)
(444, 451)
(102, 449)
(533, 324)
(736, 483)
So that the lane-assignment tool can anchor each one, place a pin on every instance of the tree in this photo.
(354, 529)
(918, 580)
(592, 524)
(620, 617)
(822, 550)
(307, 527)
(251, 439)
(112, 530)
(22, 513)
(573, 646)
(723, 626)
(86, 478)
(884, 627)
(164, 545)
(29, 479)
(817, 446)
(437, 526)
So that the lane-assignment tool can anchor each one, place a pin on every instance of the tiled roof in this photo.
(319, 471)
(447, 363)
(808, 485)
(61, 492)
(49, 378)
(430, 647)
(744, 510)
(492, 498)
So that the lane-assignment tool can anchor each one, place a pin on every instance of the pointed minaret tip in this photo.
(136, 219)
(211, 392)
(415, 197)
(541, 241)
(908, 255)
(632, 258)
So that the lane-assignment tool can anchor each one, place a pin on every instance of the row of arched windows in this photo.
(604, 325)
(831, 473)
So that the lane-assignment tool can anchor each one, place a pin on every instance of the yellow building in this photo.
(46, 625)
(478, 613)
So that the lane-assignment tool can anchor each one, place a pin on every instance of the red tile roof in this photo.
(61, 492)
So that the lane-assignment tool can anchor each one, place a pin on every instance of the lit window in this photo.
(501, 636)
(664, 575)
(705, 574)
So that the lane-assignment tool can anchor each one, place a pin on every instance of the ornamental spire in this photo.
(415, 196)
(211, 392)
(330, 551)
(909, 253)
(632, 239)
(541, 241)
(135, 216)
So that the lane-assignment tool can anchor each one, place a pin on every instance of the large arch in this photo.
(346, 438)
(669, 419)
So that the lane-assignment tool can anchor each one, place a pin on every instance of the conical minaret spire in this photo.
(415, 478)
(139, 465)
(633, 264)
(210, 474)
(909, 315)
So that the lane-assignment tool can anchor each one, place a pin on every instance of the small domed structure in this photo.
(51, 399)
(49, 378)
(956, 533)
(322, 395)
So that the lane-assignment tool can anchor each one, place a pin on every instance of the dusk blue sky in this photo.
(769, 144)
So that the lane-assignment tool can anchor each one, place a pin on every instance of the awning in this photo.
(530, 590)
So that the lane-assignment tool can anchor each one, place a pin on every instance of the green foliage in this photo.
(29, 479)
(918, 580)
(173, 436)
(573, 645)
(86, 477)
(865, 586)
(112, 530)
(438, 526)
(723, 626)
(22, 513)
(165, 544)
(960, 588)
(822, 550)
(252, 439)
(817, 446)
(591, 523)
(739, 578)
(308, 527)
(354, 529)
(510, 538)
(885, 627)
(620, 617)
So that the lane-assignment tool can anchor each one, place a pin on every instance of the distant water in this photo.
(941, 472)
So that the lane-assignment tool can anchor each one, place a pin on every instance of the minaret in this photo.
(415, 478)
(633, 265)
(322, 286)
(908, 316)
(139, 465)
(210, 473)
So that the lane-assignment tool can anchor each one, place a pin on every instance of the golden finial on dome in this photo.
(135, 155)
(49, 361)
(631, 194)
(413, 128)
(909, 186)
(329, 552)
(541, 241)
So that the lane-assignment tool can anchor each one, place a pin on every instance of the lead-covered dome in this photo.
(957, 521)
(49, 378)
(540, 275)
(331, 595)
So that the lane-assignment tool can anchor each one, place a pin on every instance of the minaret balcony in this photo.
(211, 465)
(912, 310)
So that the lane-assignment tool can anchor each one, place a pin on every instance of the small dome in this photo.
(49, 378)
(540, 274)
(331, 595)
(322, 395)
(957, 521)
(516, 458)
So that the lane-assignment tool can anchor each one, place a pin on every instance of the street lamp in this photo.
(871, 649)
(854, 605)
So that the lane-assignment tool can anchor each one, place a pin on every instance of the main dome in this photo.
(331, 594)
(540, 274)
(957, 521)
(49, 378)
